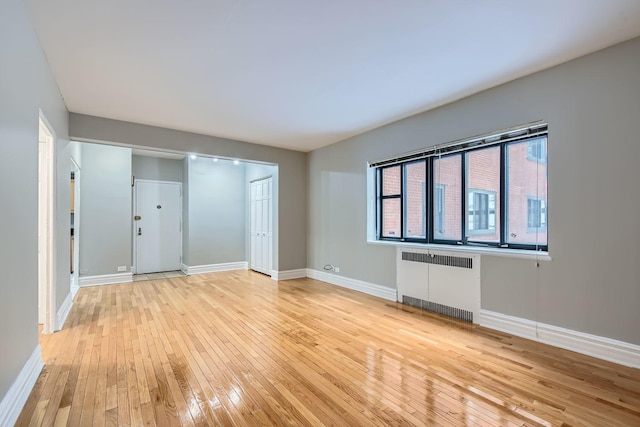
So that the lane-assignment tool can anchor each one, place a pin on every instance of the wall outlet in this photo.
(336, 269)
(122, 268)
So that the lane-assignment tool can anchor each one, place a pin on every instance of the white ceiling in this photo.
(304, 74)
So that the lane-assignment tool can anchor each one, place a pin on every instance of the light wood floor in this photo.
(237, 348)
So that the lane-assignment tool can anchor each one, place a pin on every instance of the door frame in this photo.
(264, 178)
(47, 227)
(134, 264)
(75, 277)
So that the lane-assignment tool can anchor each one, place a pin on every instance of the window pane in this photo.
(415, 199)
(483, 195)
(447, 197)
(527, 192)
(391, 217)
(391, 180)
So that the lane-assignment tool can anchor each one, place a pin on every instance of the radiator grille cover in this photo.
(448, 260)
(456, 313)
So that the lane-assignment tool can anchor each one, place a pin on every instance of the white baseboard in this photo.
(289, 274)
(17, 395)
(64, 310)
(184, 268)
(357, 285)
(212, 268)
(74, 290)
(106, 279)
(592, 345)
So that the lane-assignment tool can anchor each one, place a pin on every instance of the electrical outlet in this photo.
(122, 268)
(336, 269)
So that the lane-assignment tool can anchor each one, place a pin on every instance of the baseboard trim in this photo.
(619, 352)
(64, 310)
(184, 268)
(213, 268)
(17, 395)
(356, 285)
(289, 274)
(106, 279)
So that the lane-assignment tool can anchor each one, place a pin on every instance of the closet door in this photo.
(261, 226)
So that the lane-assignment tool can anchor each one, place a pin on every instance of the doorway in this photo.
(261, 225)
(157, 226)
(46, 208)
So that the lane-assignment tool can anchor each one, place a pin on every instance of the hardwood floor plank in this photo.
(238, 349)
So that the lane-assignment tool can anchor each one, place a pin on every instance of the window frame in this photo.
(538, 133)
(383, 197)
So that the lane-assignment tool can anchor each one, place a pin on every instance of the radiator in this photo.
(443, 282)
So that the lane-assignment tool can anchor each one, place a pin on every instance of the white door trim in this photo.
(75, 278)
(135, 210)
(46, 244)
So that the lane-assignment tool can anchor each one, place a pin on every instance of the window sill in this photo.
(501, 252)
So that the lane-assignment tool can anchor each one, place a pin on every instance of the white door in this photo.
(158, 230)
(261, 225)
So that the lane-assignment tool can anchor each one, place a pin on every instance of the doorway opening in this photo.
(46, 227)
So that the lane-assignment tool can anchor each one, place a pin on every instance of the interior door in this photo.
(261, 226)
(158, 230)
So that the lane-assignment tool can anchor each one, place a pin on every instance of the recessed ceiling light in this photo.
(193, 156)
(215, 159)
(235, 162)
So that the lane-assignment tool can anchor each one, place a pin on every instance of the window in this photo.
(391, 197)
(483, 191)
(483, 194)
(526, 196)
(537, 150)
(481, 212)
(415, 179)
(536, 214)
(447, 206)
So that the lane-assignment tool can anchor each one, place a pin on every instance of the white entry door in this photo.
(157, 226)
(261, 226)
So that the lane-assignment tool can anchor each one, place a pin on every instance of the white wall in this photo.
(26, 84)
(592, 105)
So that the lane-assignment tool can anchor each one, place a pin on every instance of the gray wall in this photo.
(26, 84)
(156, 169)
(592, 105)
(105, 205)
(216, 212)
(292, 245)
